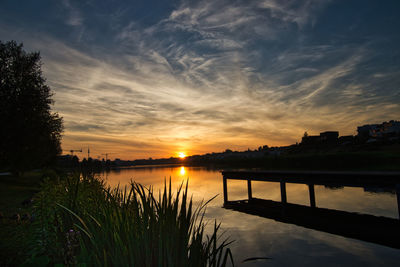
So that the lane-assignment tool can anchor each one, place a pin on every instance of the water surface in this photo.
(286, 244)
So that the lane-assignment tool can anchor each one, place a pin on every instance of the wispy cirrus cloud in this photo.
(207, 75)
(74, 15)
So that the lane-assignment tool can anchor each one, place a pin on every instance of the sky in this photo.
(139, 79)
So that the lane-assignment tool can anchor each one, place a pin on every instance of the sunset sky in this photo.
(143, 79)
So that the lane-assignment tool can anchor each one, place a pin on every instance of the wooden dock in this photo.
(380, 230)
(311, 178)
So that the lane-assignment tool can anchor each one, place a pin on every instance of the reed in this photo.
(81, 221)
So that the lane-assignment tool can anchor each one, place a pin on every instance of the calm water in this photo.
(287, 244)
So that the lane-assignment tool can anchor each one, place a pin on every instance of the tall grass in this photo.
(84, 222)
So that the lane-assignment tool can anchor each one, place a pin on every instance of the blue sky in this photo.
(152, 78)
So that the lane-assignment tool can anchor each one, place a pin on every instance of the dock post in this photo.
(312, 195)
(249, 189)
(283, 192)
(225, 190)
(398, 198)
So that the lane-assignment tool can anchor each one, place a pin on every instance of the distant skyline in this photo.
(143, 79)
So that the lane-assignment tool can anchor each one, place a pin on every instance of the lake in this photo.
(286, 244)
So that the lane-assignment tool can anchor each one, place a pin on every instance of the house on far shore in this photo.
(328, 137)
(389, 129)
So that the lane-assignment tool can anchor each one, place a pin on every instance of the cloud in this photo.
(75, 17)
(205, 75)
(299, 12)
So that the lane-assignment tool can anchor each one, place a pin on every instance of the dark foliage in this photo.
(30, 133)
(82, 222)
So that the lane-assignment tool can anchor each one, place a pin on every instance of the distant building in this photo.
(383, 130)
(310, 139)
(328, 137)
(390, 128)
(364, 132)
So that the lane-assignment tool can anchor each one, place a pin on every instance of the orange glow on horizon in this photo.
(124, 148)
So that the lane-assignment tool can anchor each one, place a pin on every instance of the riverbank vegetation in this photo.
(77, 220)
(314, 160)
(16, 230)
(364, 157)
(343, 161)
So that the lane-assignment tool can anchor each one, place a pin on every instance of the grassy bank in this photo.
(79, 221)
(16, 231)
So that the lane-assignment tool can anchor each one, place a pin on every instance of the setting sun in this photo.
(181, 155)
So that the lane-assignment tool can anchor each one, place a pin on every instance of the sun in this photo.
(182, 155)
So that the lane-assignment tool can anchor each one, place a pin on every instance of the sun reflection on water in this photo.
(182, 171)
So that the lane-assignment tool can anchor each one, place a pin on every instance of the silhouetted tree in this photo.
(30, 134)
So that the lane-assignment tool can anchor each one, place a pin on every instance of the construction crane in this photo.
(75, 150)
(106, 154)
